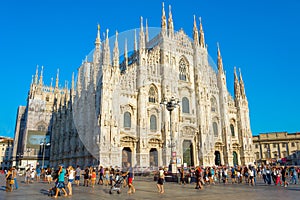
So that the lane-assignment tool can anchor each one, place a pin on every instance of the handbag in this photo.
(12, 182)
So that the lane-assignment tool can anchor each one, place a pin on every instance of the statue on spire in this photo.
(195, 33)
(163, 19)
(170, 23)
(202, 40)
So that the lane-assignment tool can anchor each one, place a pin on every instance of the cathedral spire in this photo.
(57, 79)
(202, 40)
(125, 53)
(98, 40)
(220, 62)
(142, 36)
(163, 20)
(195, 33)
(135, 42)
(237, 91)
(147, 32)
(73, 82)
(51, 83)
(36, 75)
(242, 84)
(106, 51)
(41, 76)
(116, 52)
(170, 23)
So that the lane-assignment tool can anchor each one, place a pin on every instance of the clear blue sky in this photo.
(260, 37)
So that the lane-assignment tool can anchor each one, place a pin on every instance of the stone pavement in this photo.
(146, 189)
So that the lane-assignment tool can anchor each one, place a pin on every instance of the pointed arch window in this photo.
(152, 95)
(153, 123)
(127, 120)
(185, 105)
(183, 70)
(213, 105)
(232, 130)
(215, 128)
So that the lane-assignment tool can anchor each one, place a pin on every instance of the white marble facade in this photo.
(113, 114)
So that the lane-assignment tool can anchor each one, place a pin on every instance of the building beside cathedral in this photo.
(113, 115)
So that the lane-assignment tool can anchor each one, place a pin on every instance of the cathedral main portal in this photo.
(187, 147)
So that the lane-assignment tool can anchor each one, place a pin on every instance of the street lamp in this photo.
(28, 150)
(171, 104)
(19, 157)
(44, 144)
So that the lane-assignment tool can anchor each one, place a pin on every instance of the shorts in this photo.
(130, 180)
(77, 178)
(60, 185)
(70, 180)
(160, 181)
(48, 176)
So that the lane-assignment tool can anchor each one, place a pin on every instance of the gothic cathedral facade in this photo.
(114, 113)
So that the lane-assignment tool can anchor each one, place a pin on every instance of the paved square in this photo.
(146, 189)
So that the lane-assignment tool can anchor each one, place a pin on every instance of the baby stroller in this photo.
(118, 184)
(52, 191)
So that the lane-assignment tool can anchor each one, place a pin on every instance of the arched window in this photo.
(152, 95)
(213, 105)
(185, 105)
(232, 130)
(215, 128)
(153, 123)
(127, 120)
(183, 70)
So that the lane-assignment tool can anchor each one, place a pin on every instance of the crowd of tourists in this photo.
(63, 178)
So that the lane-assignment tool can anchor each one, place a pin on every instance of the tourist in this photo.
(32, 175)
(160, 181)
(61, 181)
(129, 172)
(106, 172)
(71, 176)
(86, 177)
(48, 175)
(14, 176)
(101, 173)
(294, 176)
(199, 179)
(27, 176)
(9, 180)
(77, 175)
(38, 173)
(251, 176)
(182, 175)
(93, 178)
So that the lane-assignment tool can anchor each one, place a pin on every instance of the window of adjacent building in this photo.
(232, 130)
(47, 99)
(283, 144)
(183, 70)
(152, 95)
(256, 146)
(293, 144)
(127, 120)
(185, 105)
(274, 145)
(153, 123)
(215, 128)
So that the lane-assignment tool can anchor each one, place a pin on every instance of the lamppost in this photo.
(44, 144)
(28, 150)
(19, 157)
(171, 104)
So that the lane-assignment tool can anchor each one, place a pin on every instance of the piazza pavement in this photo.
(146, 189)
